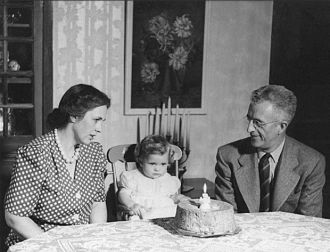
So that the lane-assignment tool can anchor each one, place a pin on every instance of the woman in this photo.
(58, 178)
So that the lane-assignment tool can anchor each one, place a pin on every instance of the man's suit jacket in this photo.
(297, 185)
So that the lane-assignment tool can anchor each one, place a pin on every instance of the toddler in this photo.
(149, 191)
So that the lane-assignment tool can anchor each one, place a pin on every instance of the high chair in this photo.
(124, 153)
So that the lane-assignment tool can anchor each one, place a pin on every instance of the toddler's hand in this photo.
(179, 197)
(139, 210)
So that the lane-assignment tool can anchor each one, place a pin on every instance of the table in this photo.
(275, 231)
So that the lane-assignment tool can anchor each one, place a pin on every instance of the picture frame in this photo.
(161, 64)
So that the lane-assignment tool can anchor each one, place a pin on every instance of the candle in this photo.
(205, 200)
(188, 132)
(138, 137)
(156, 125)
(168, 133)
(147, 125)
(205, 195)
(176, 126)
(150, 126)
(184, 128)
(162, 120)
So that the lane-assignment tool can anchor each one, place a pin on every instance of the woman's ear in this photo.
(73, 119)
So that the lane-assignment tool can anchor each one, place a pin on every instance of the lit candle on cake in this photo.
(205, 191)
(205, 200)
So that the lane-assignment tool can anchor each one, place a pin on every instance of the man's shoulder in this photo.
(303, 150)
(244, 143)
(241, 146)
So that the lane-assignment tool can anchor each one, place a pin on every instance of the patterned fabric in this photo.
(42, 189)
(264, 174)
(260, 232)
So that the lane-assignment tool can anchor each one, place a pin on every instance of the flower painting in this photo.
(166, 53)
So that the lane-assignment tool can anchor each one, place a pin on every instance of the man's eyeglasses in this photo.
(258, 124)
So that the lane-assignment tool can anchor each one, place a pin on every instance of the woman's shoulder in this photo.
(93, 153)
(40, 144)
(94, 148)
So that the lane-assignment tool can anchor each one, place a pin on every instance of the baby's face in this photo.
(155, 165)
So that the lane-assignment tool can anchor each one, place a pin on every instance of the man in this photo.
(289, 178)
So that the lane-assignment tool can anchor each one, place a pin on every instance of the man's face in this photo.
(264, 126)
(90, 125)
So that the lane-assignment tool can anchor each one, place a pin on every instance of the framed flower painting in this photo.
(165, 55)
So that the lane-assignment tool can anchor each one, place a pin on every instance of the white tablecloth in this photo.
(275, 231)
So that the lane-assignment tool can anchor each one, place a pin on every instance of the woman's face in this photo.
(155, 165)
(86, 128)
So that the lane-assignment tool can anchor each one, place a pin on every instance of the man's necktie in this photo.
(264, 175)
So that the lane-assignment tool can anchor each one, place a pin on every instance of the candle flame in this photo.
(204, 188)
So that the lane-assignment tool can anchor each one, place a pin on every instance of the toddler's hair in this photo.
(152, 144)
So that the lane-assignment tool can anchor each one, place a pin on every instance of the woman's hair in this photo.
(152, 144)
(76, 101)
(282, 99)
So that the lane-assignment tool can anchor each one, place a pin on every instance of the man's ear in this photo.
(283, 126)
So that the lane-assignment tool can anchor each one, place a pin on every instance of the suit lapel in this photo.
(247, 177)
(286, 178)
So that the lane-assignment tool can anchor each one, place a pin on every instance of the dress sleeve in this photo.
(101, 164)
(127, 181)
(27, 177)
(173, 184)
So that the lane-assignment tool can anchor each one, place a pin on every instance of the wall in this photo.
(89, 48)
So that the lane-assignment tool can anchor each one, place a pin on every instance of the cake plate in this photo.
(205, 235)
(169, 225)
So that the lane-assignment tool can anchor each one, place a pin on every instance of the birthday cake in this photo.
(217, 219)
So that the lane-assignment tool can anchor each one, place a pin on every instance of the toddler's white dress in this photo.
(153, 194)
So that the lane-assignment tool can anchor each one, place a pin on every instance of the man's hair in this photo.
(282, 99)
